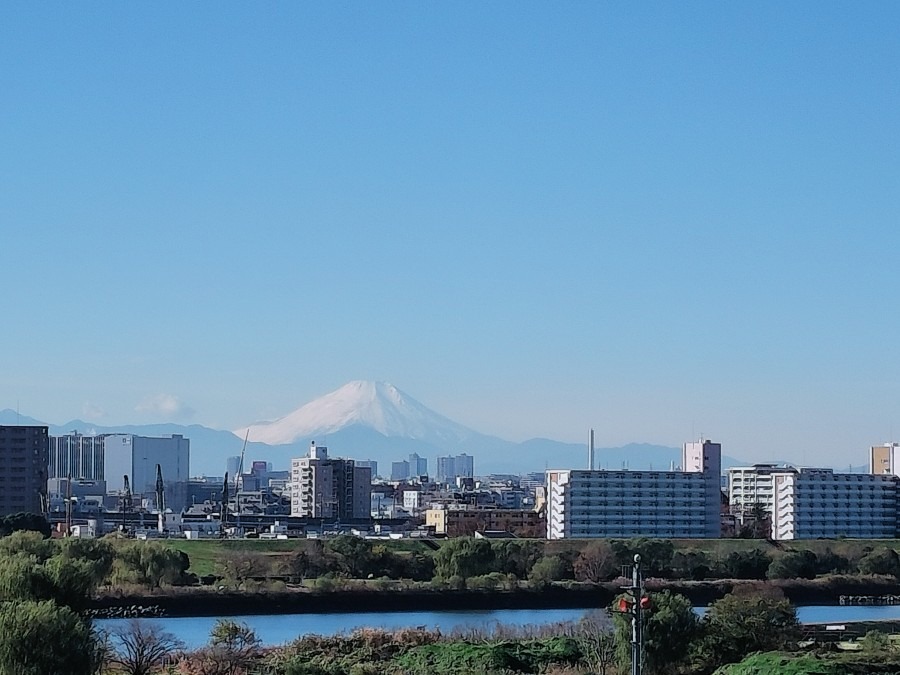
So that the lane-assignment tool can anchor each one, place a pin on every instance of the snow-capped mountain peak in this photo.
(377, 405)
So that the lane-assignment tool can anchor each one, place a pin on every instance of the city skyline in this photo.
(657, 221)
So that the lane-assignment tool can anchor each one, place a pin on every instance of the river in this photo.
(275, 629)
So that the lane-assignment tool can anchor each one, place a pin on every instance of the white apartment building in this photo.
(665, 504)
(751, 485)
(821, 504)
(329, 488)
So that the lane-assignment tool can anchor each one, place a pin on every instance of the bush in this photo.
(794, 565)
(882, 560)
(753, 564)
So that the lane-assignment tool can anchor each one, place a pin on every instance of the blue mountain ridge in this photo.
(211, 447)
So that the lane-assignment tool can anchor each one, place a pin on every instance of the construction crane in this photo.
(160, 498)
(237, 476)
(223, 516)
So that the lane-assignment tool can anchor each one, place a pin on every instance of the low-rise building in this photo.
(460, 520)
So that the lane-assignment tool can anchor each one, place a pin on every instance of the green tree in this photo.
(546, 570)
(29, 543)
(670, 628)
(33, 522)
(794, 565)
(656, 554)
(24, 579)
(517, 557)
(741, 623)
(691, 564)
(751, 564)
(42, 638)
(882, 560)
(464, 557)
(98, 553)
(149, 564)
(353, 554)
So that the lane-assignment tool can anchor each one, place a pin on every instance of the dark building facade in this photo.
(24, 460)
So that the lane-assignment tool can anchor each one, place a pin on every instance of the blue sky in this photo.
(658, 220)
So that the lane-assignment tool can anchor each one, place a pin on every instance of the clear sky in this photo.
(658, 220)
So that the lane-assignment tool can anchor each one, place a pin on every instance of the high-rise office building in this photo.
(322, 487)
(399, 470)
(450, 468)
(78, 456)
(418, 466)
(24, 457)
(137, 457)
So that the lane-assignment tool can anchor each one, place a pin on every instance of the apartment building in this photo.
(667, 504)
(821, 504)
(752, 485)
(322, 487)
(458, 520)
(885, 459)
(24, 456)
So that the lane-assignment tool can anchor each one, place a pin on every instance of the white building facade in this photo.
(752, 485)
(666, 504)
(821, 504)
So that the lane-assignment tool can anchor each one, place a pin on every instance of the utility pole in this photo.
(69, 504)
(634, 604)
(637, 618)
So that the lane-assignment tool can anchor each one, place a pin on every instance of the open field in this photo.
(205, 553)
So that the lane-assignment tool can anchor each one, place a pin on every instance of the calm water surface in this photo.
(275, 629)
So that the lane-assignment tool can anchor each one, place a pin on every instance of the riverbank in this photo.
(211, 601)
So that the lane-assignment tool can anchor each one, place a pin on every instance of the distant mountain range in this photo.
(377, 421)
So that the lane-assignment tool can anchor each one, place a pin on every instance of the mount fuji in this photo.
(378, 406)
(376, 421)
